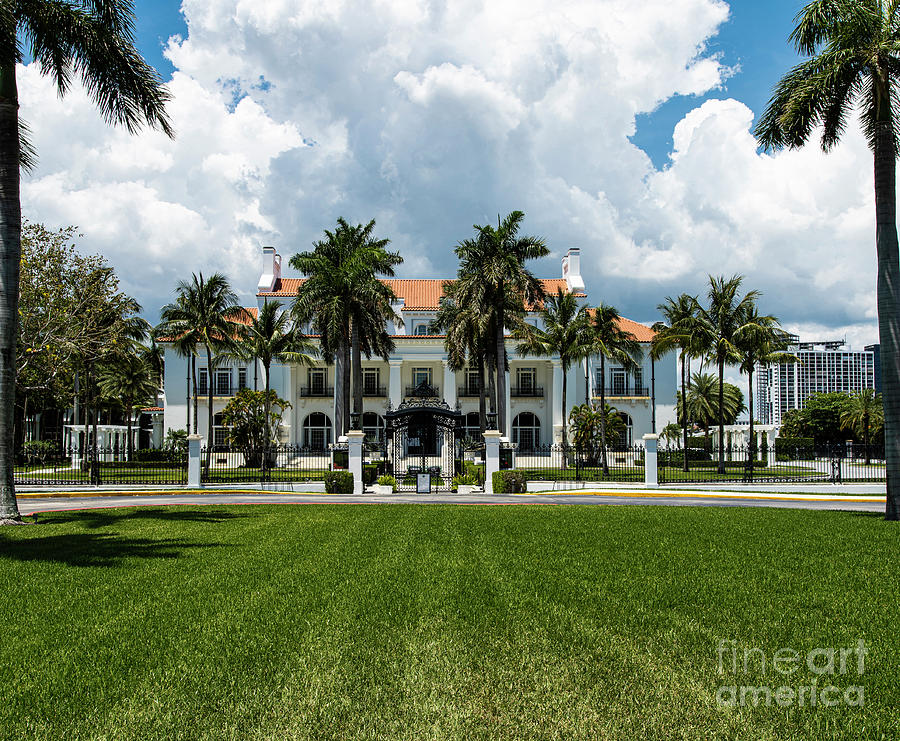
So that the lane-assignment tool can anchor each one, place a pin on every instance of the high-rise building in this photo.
(876, 351)
(824, 367)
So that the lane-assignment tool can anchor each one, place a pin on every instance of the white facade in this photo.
(534, 385)
(824, 367)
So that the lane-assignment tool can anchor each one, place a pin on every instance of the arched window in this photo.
(472, 427)
(625, 438)
(317, 431)
(373, 427)
(526, 429)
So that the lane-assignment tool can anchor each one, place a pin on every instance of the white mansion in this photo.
(644, 397)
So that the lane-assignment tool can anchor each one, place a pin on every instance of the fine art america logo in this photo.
(798, 679)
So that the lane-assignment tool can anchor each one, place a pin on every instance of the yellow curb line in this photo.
(710, 495)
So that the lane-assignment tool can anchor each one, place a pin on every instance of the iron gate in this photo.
(423, 437)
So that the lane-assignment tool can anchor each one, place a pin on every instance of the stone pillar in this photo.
(449, 384)
(491, 458)
(193, 472)
(395, 384)
(557, 411)
(355, 456)
(651, 475)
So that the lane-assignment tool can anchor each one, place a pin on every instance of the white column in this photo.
(396, 383)
(355, 458)
(491, 458)
(449, 384)
(651, 475)
(193, 477)
(557, 410)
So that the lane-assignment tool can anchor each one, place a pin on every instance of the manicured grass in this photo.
(414, 622)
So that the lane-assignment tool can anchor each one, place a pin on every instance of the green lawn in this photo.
(420, 622)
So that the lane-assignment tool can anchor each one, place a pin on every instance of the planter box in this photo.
(382, 489)
(465, 489)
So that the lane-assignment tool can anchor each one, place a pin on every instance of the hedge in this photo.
(508, 482)
(794, 448)
(339, 482)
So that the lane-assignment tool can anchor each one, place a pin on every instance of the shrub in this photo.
(154, 455)
(372, 471)
(387, 481)
(470, 478)
(509, 482)
(38, 451)
(476, 470)
(339, 482)
(794, 448)
(699, 441)
(676, 457)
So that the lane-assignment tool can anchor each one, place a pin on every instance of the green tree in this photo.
(95, 40)
(679, 330)
(205, 310)
(853, 64)
(129, 381)
(820, 419)
(721, 324)
(590, 428)
(865, 416)
(762, 342)
(492, 266)
(347, 304)
(671, 433)
(704, 400)
(611, 342)
(252, 418)
(269, 337)
(565, 333)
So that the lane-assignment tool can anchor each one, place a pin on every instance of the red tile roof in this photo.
(419, 294)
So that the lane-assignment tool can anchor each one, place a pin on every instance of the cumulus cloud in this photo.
(432, 116)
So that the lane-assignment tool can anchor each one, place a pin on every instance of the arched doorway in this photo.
(526, 429)
(317, 431)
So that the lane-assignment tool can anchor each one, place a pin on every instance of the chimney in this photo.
(571, 270)
(271, 272)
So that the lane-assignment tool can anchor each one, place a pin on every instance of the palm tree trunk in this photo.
(888, 302)
(482, 400)
(866, 436)
(565, 438)
(603, 460)
(721, 416)
(752, 446)
(194, 374)
(492, 385)
(684, 423)
(587, 386)
(129, 449)
(357, 369)
(501, 364)
(347, 372)
(339, 372)
(209, 411)
(266, 407)
(11, 236)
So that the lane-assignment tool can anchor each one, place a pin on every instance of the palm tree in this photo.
(679, 330)
(496, 259)
(588, 427)
(566, 333)
(864, 415)
(207, 309)
(702, 403)
(94, 40)
(270, 338)
(720, 326)
(671, 433)
(762, 343)
(854, 64)
(130, 381)
(611, 342)
(347, 304)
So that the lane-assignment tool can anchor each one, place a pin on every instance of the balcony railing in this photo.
(378, 391)
(468, 391)
(521, 392)
(219, 389)
(620, 392)
(316, 391)
(423, 390)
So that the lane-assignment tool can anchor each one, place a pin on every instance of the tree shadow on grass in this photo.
(93, 549)
(97, 518)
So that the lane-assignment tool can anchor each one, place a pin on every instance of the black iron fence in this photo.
(559, 462)
(99, 466)
(279, 463)
(845, 463)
